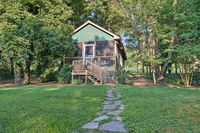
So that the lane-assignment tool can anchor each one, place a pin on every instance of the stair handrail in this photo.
(99, 68)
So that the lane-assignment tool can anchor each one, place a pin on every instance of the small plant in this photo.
(5, 73)
(128, 81)
(173, 79)
(49, 75)
(121, 75)
(64, 75)
(76, 82)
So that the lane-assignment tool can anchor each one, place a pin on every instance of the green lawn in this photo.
(161, 109)
(48, 109)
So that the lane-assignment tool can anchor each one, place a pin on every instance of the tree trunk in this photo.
(150, 68)
(169, 55)
(27, 73)
(176, 68)
(12, 69)
(154, 78)
(164, 67)
(142, 67)
(17, 74)
(147, 70)
(169, 68)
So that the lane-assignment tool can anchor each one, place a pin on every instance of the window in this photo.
(104, 48)
(78, 51)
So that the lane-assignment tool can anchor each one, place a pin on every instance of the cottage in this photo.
(99, 53)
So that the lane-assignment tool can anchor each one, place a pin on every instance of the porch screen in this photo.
(88, 50)
(104, 48)
(78, 51)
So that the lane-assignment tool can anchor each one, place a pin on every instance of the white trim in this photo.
(90, 22)
(85, 45)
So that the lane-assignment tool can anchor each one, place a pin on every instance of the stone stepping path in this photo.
(109, 119)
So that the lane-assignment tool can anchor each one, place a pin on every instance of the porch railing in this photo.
(81, 67)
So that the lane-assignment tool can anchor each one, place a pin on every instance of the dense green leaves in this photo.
(166, 33)
(159, 34)
(33, 30)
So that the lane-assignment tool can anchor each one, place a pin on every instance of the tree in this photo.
(188, 43)
(35, 26)
(15, 47)
(159, 27)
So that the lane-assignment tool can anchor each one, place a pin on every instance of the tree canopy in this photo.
(160, 36)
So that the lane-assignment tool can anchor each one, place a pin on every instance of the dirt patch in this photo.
(4, 84)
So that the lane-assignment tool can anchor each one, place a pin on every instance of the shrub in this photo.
(129, 81)
(5, 73)
(64, 75)
(121, 75)
(49, 75)
(76, 82)
(196, 78)
(174, 79)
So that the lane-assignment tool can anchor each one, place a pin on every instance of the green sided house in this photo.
(99, 54)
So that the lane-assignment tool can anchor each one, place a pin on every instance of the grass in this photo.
(48, 109)
(161, 109)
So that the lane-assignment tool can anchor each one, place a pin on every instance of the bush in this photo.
(64, 76)
(121, 75)
(173, 79)
(5, 73)
(129, 81)
(196, 78)
(76, 82)
(49, 75)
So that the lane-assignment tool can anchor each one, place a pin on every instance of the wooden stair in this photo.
(91, 71)
(95, 73)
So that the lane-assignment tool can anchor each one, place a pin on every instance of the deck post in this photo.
(86, 77)
(72, 71)
(72, 77)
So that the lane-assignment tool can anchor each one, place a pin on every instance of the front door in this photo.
(88, 52)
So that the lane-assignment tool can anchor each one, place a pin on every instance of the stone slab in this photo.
(91, 125)
(99, 113)
(113, 126)
(107, 102)
(117, 118)
(121, 107)
(110, 95)
(109, 99)
(109, 107)
(118, 102)
(116, 112)
(100, 118)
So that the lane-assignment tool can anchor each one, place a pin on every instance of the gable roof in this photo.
(97, 26)
(116, 37)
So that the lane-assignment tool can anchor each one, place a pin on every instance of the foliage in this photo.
(76, 82)
(121, 75)
(67, 107)
(129, 81)
(64, 75)
(49, 75)
(162, 109)
(162, 34)
(196, 78)
(31, 30)
(174, 79)
(5, 73)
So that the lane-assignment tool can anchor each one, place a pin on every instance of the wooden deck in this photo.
(90, 70)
